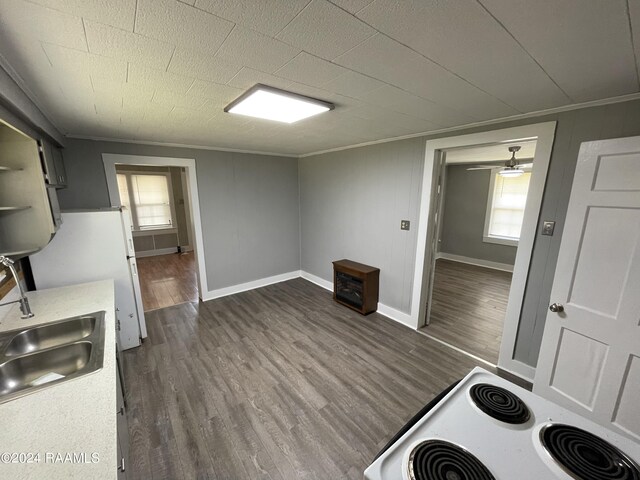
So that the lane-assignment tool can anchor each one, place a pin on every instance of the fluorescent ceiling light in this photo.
(511, 172)
(274, 104)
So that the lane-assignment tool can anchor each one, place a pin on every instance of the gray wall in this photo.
(351, 204)
(465, 207)
(248, 205)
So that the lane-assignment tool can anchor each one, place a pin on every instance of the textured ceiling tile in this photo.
(266, 16)
(412, 72)
(150, 77)
(310, 70)
(73, 62)
(204, 67)
(214, 91)
(116, 43)
(325, 30)
(585, 46)
(248, 77)
(252, 49)
(353, 6)
(166, 97)
(460, 35)
(400, 101)
(179, 24)
(352, 84)
(117, 13)
(23, 19)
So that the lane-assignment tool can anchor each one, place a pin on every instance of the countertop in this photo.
(75, 417)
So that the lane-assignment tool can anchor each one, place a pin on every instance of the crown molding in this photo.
(521, 116)
(180, 145)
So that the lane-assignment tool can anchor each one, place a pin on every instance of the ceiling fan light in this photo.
(511, 172)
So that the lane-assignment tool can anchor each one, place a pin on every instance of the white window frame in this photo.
(142, 231)
(487, 217)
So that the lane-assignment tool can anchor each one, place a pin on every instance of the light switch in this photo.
(405, 225)
(547, 228)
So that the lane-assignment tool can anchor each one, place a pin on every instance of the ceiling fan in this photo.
(512, 168)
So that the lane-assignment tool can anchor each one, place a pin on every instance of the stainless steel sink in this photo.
(39, 357)
(51, 335)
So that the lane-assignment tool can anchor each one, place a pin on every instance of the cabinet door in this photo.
(123, 430)
(58, 163)
(48, 163)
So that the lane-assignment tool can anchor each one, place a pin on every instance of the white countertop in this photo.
(73, 417)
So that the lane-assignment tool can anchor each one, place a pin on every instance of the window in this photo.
(149, 199)
(505, 208)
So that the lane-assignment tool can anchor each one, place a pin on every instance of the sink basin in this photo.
(39, 357)
(29, 370)
(51, 335)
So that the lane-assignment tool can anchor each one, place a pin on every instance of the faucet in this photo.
(24, 301)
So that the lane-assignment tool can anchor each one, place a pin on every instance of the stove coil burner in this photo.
(585, 456)
(499, 403)
(438, 460)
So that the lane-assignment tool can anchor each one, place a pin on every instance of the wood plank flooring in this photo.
(468, 307)
(167, 280)
(276, 383)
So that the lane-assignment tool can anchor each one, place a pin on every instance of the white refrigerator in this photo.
(96, 245)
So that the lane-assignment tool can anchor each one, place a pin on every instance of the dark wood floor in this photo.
(167, 280)
(275, 383)
(468, 307)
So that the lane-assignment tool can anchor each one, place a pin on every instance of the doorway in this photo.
(483, 196)
(431, 196)
(162, 197)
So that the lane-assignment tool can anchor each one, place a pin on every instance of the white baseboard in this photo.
(154, 253)
(243, 287)
(391, 313)
(396, 315)
(505, 267)
(317, 280)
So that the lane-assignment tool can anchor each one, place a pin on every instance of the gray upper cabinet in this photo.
(53, 164)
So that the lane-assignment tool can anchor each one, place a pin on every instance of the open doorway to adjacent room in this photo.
(160, 213)
(160, 194)
(440, 256)
(484, 194)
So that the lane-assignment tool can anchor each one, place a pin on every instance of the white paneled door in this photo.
(590, 355)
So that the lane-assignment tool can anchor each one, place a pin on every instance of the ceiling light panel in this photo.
(273, 104)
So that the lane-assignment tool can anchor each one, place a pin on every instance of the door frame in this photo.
(110, 161)
(544, 133)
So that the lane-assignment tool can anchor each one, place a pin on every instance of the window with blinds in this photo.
(505, 211)
(149, 199)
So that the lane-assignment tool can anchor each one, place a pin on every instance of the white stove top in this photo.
(508, 451)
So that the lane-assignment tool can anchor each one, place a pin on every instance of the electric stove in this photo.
(487, 428)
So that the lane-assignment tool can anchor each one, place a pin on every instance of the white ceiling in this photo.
(163, 70)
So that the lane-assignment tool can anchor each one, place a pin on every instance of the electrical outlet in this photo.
(547, 228)
(405, 225)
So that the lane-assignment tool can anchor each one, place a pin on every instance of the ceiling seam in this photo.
(225, 39)
(633, 42)
(429, 59)
(275, 36)
(84, 30)
(175, 47)
(135, 17)
(503, 26)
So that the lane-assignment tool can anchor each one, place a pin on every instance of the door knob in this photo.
(556, 308)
